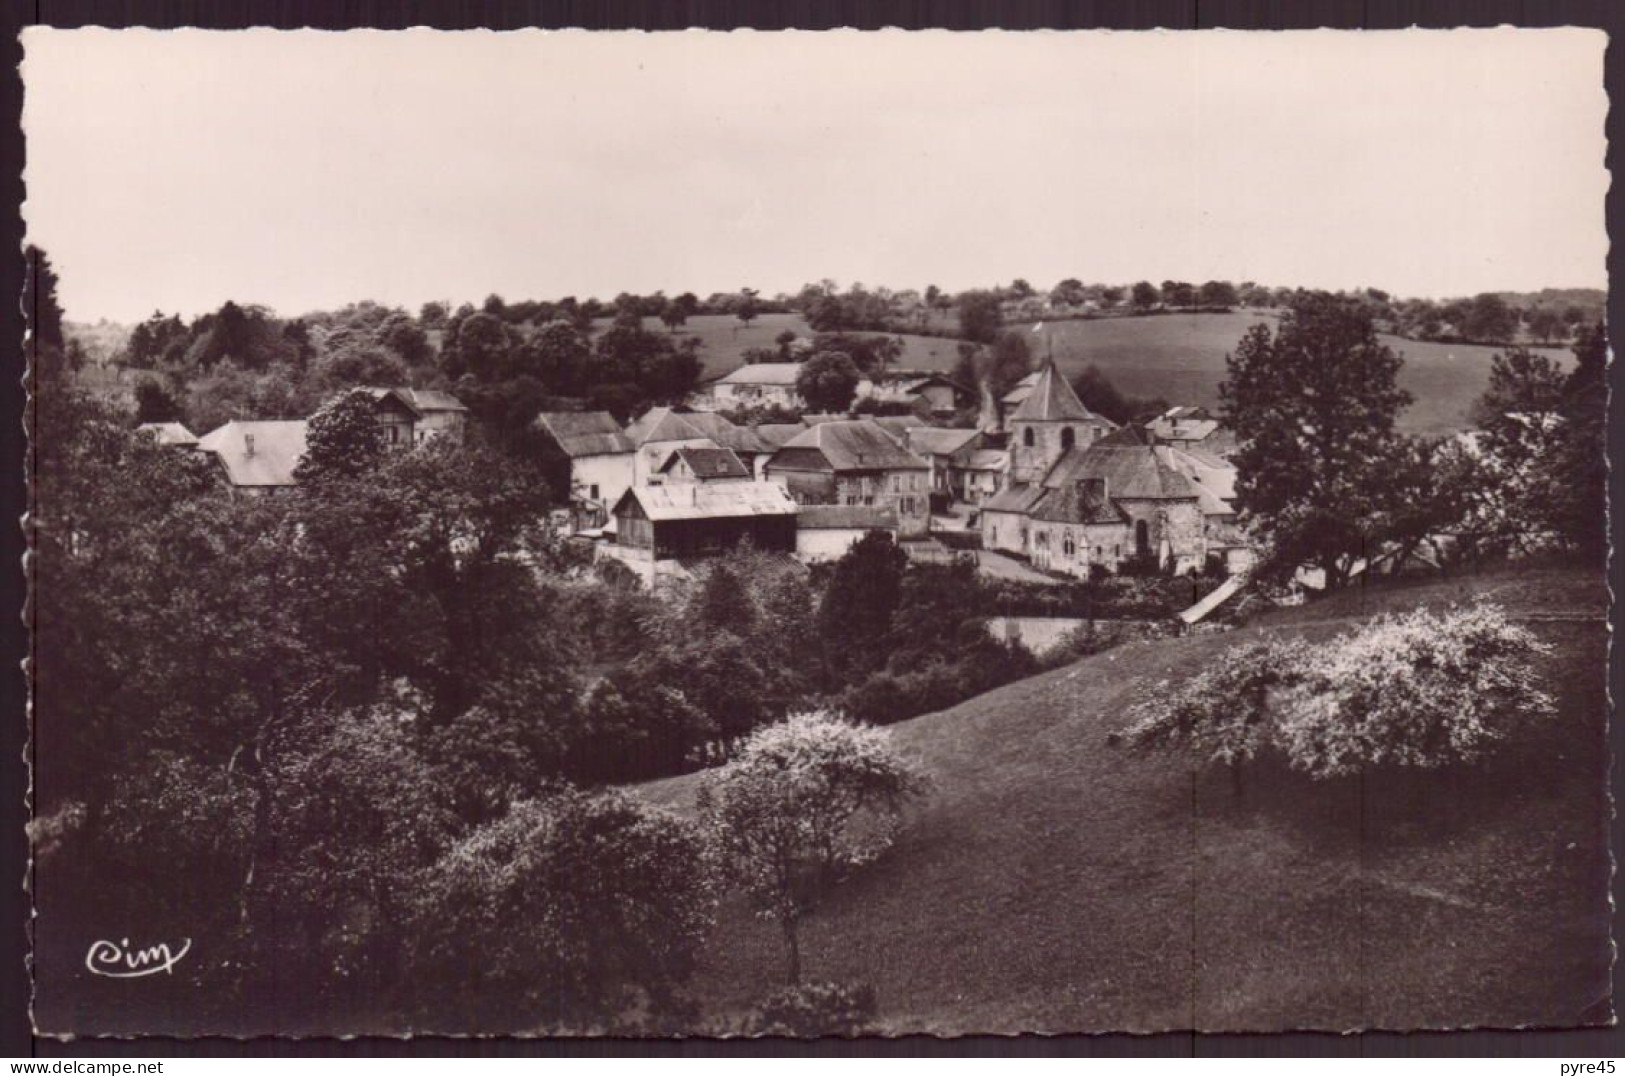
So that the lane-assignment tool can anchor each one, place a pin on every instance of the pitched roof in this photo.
(896, 425)
(856, 445)
(277, 449)
(1214, 478)
(763, 373)
(726, 433)
(1078, 503)
(1018, 498)
(168, 433)
(708, 462)
(418, 401)
(936, 441)
(845, 517)
(662, 424)
(710, 500)
(1020, 390)
(777, 434)
(585, 433)
(1133, 468)
(985, 459)
(1052, 400)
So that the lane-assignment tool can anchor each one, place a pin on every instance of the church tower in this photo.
(1049, 422)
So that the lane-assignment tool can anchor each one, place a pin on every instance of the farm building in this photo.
(698, 519)
(169, 434)
(701, 465)
(925, 392)
(855, 462)
(600, 458)
(1048, 424)
(758, 384)
(655, 435)
(257, 458)
(827, 531)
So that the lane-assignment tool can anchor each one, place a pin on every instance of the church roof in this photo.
(1052, 400)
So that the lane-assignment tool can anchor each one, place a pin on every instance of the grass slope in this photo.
(1054, 883)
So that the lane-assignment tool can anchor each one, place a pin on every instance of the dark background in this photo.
(16, 1037)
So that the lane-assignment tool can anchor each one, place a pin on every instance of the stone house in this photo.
(655, 435)
(701, 465)
(856, 462)
(600, 459)
(758, 384)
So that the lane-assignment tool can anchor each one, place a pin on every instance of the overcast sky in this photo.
(305, 170)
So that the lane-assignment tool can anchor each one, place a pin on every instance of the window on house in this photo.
(1027, 437)
(592, 491)
(1068, 438)
(1068, 546)
(896, 483)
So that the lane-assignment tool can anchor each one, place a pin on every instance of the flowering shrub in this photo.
(805, 800)
(1421, 689)
(1222, 714)
(813, 1009)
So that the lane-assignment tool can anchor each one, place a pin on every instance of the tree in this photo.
(1020, 289)
(1177, 294)
(748, 307)
(855, 615)
(584, 907)
(1218, 295)
(1313, 409)
(1222, 714)
(1545, 324)
(805, 802)
(828, 381)
(1144, 295)
(341, 440)
(673, 316)
(979, 316)
(154, 403)
(1096, 392)
(1110, 296)
(1581, 461)
(40, 303)
(1069, 292)
(1488, 318)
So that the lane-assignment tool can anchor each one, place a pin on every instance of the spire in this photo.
(1052, 399)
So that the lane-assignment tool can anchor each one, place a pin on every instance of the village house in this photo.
(702, 465)
(1050, 422)
(257, 458)
(978, 473)
(940, 447)
(684, 521)
(824, 532)
(169, 434)
(600, 458)
(1117, 498)
(1192, 427)
(655, 434)
(742, 441)
(408, 417)
(856, 462)
(926, 392)
(758, 384)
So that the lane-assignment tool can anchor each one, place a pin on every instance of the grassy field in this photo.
(1055, 884)
(1180, 357)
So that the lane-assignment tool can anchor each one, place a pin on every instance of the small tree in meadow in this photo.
(805, 801)
(1222, 715)
(1422, 689)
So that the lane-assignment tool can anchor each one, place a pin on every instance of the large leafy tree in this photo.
(1313, 406)
(341, 440)
(855, 616)
(828, 381)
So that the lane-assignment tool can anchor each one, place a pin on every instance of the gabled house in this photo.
(1192, 427)
(697, 519)
(742, 441)
(760, 384)
(600, 458)
(408, 417)
(978, 473)
(939, 447)
(855, 462)
(926, 392)
(655, 434)
(1048, 423)
(257, 458)
(702, 465)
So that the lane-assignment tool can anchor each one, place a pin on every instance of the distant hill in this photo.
(1593, 300)
(1054, 883)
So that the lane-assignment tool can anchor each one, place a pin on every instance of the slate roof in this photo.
(1018, 499)
(726, 433)
(896, 425)
(662, 424)
(1077, 504)
(585, 433)
(1133, 468)
(1214, 478)
(1052, 400)
(937, 441)
(845, 517)
(777, 434)
(763, 373)
(985, 459)
(708, 462)
(418, 401)
(1020, 390)
(169, 433)
(853, 445)
(278, 448)
(710, 500)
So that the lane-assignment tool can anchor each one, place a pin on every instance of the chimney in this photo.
(248, 444)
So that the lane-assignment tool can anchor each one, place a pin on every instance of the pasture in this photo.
(1056, 883)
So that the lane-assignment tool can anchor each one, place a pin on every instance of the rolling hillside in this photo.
(1054, 883)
